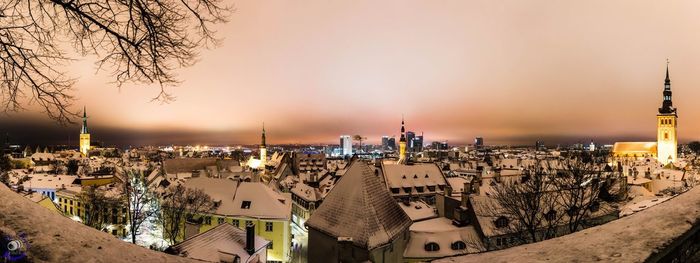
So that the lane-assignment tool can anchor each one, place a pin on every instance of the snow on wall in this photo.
(629, 239)
(55, 238)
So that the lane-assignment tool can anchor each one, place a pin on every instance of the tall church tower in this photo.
(263, 150)
(666, 121)
(84, 136)
(402, 143)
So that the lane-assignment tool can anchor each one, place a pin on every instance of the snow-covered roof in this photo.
(48, 181)
(442, 232)
(416, 178)
(360, 207)
(260, 200)
(418, 210)
(224, 238)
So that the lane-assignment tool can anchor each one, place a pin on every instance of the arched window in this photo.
(501, 222)
(432, 246)
(459, 245)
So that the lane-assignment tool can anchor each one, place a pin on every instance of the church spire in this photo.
(667, 83)
(667, 104)
(84, 130)
(263, 144)
(403, 131)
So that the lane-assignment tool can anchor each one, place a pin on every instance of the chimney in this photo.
(250, 238)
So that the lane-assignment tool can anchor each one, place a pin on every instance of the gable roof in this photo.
(224, 238)
(360, 207)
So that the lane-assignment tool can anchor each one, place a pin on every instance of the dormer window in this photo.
(502, 222)
(245, 205)
(459, 245)
(432, 246)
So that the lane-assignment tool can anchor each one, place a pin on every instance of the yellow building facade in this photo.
(665, 149)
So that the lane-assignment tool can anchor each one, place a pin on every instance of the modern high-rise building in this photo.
(392, 144)
(346, 144)
(409, 140)
(417, 144)
(84, 135)
(385, 143)
(402, 144)
(479, 142)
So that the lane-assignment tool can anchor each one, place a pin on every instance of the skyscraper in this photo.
(346, 144)
(385, 143)
(479, 142)
(392, 144)
(402, 144)
(84, 135)
(409, 140)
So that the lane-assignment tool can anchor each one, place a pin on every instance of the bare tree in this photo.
(141, 202)
(528, 203)
(140, 41)
(176, 204)
(579, 179)
(96, 205)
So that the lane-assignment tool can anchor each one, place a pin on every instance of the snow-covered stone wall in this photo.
(650, 235)
(54, 238)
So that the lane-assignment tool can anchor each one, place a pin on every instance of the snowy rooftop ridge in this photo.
(360, 207)
(629, 239)
(56, 238)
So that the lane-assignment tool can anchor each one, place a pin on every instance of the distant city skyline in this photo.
(511, 72)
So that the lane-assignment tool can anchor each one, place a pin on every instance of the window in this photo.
(498, 242)
(235, 222)
(268, 226)
(71, 210)
(269, 245)
(207, 220)
(220, 220)
(502, 222)
(595, 206)
(71, 202)
(666, 135)
(432, 246)
(248, 222)
(78, 211)
(245, 205)
(459, 245)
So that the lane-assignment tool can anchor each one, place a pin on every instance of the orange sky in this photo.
(313, 70)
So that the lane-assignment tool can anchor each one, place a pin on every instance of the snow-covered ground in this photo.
(55, 238)
(629, 239)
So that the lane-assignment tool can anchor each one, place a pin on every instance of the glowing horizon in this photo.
(508, 71)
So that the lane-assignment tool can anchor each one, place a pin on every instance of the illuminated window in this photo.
(666, 135)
